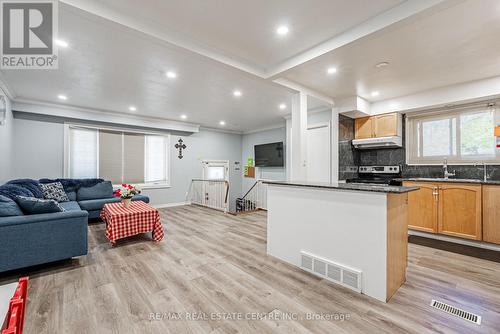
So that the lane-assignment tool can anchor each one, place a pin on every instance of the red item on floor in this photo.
(17, 307)
(139, 217)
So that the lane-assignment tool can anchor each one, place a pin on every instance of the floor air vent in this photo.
(332, 271)
(471, 317)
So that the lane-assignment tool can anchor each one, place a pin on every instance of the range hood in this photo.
(380, 142)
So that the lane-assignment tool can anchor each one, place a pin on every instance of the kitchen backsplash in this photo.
(349, 156)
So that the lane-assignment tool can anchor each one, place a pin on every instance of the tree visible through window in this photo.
(461, 137)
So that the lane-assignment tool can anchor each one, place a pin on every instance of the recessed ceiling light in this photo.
(222, 123)
(237, 93)
(375, 93)
(331, 70)
(61, 43)
(132, 108)
(282, 106)
(62, 97)
(282, 30)
(382, 64)
(171, 75)
(184, 116)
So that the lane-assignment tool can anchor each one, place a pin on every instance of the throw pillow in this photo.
(9, 208)
(100, 190)
(54, 191)
(33, 206)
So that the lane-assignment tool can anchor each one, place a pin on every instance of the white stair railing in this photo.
(254, 199)
(212, 194)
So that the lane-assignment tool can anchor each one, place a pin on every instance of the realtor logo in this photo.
(28, 31)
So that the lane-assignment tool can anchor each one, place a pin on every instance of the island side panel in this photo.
(345, 227)
(397, 241)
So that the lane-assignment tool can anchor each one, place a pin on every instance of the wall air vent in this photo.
(337, 273)
(306, 262)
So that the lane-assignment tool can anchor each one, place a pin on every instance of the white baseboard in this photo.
(169, 205)
(466, 242)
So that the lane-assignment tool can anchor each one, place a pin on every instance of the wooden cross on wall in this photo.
(181, 146)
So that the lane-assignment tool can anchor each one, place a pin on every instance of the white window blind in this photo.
(83, 153)
(461, 136)
(156, 159)
(118, 156)
(134, 157)
(110, 156)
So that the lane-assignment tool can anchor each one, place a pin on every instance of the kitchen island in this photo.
(351, 234)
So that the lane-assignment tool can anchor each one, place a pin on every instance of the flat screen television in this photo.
(269, 155)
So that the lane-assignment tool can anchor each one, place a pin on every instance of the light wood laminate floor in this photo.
(211, 264)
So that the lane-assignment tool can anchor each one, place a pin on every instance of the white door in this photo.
(216, 175)
(318, 153)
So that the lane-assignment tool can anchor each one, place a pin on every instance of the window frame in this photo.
(152, 185)
(411, 136)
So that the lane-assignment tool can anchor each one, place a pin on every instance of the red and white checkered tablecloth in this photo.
(139, 217)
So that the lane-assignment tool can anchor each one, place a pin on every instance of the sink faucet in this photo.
(485, 171)
(445, 169)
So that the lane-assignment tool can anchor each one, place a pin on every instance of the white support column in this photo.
(299, 137)
(335, 145)
(288, 155)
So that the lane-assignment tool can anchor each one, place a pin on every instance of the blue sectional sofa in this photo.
(27, 240)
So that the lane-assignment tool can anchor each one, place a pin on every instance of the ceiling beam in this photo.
(381, 21)
(83, 114)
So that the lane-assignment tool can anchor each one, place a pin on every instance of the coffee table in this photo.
(139, 217)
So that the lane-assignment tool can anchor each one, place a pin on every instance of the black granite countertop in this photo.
(345, 186)
(429, 179)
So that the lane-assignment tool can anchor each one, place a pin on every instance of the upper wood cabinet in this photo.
(460, 210)
(383, 125)
(491, 214)
(423, 207)
(363, 128)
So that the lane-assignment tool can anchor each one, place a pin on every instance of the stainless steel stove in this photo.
(380, 175)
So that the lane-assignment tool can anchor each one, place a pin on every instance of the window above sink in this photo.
(462, 136)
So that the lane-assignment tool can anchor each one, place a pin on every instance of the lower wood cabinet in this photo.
(460, 210)
(446, 208)
(423, 207)
(491, 214)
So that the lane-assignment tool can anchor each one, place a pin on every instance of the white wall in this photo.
(39, 153)
(6, 132)
(247, 151)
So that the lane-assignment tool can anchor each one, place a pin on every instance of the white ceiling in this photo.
(456, 44)
(119, 52)
(110, 67)
(242, 30)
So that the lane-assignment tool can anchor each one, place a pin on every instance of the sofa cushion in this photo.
(98, 191)
(70, 206)
(9, 208)
(97, 204)
(54, 191)
(71, 195)
(33, 205)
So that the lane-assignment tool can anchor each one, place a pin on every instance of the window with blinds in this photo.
(461, 136)
(118, 156)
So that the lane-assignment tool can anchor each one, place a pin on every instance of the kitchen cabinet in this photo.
(446, 208)
(491, 214)
(460, 210)
(423, 207)
(363, 127)
(383, 125)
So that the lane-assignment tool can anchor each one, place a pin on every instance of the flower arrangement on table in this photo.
(126, 192)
